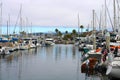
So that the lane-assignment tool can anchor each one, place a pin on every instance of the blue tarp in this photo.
(12, 40)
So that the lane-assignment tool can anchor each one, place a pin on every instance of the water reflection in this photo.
(58, 53)
(74, 52)
(59, 62)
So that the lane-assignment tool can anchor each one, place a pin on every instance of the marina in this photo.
(52, 40)
(61, 62)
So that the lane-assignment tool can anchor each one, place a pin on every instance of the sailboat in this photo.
(113, 67)
(23, 45)
(93, 56)
(113, 63)
(3, 40)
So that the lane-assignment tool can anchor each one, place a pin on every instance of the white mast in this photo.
(1, 21)
(105, 24)
(31, 29)
(94, 37)
(78, 28)
(20, 18)
(78, 23)
(114, 6)
(9, 24)
(93, 20)
(118, 19)
(7, 28)
(102, 20)
(26, 26)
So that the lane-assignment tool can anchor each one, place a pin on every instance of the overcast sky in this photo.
(52, 12)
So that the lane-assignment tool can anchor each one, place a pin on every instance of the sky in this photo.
(52, 12)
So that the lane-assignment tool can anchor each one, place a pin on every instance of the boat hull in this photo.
(115, 72)
(88, 66)
(114, 68)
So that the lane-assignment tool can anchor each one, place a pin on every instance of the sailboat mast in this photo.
(20, 18)
(88, 28)
(105, 24)
(7, 28)
(78, 27)
(94, 37)
(118, 15)
(9, 24)
(26, 26)
(114, 12)
(93, 20)
(31, 30)
(118, 12)
(100, 21)
(1, 21)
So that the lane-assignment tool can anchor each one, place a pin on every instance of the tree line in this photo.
(73, 34)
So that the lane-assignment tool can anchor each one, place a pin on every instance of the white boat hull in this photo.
(114, 68)
(24, 47)
(115, 72)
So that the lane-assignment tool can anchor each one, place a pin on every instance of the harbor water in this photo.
(58, 62)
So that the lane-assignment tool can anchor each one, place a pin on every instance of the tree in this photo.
(67, 37)
(56, 30)
(66, 32)
(23, 33)
(81, 28)
(74, 32)
(59, 33)
(86, 30)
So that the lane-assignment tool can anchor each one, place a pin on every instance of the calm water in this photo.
(59, 62)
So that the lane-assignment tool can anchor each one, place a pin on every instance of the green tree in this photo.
(23, 33)
(59, 33)
(81, 27)
(67, 37)
(56, 30)
(74, 32)
(66, 32)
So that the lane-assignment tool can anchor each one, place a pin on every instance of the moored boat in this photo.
(113, 68)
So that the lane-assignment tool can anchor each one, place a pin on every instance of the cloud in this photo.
(52, 12)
